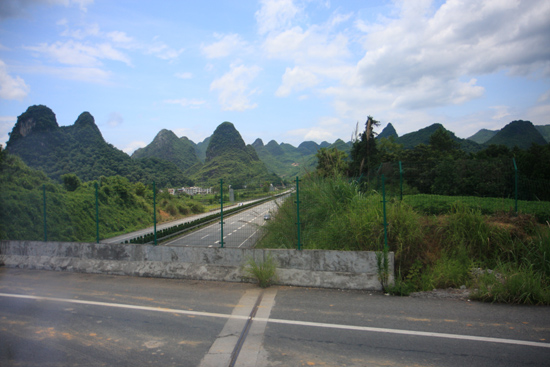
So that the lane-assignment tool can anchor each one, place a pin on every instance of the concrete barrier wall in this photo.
(311, 268)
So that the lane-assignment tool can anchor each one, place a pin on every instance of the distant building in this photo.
(194, 190)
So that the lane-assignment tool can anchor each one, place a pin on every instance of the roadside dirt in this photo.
(449, 293)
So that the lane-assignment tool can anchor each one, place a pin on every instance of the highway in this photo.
(52, 318)
(128, 236)
(240, 230)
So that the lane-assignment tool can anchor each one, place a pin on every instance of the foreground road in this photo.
(66, 319)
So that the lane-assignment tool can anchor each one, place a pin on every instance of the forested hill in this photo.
(169, 147)
(80, 149)
(518, 133)
(229, 158)
(422, 136)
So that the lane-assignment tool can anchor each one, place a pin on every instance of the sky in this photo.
(287, 70)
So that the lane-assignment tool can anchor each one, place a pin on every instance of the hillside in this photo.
(544, 130)
(518, 133)
(483, 135)
(228, 157)
(388, 132)
(80, 149)
(422, 136)
(169, 147)
(200, 148)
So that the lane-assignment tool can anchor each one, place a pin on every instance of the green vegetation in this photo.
(70, 208)
(81, 150)
(228, 158)
(451, 214)
(482, 136)
(518, 133)
(430, 251)
(169, 147)
(264, 272)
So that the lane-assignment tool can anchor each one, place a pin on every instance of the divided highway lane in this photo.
(142, 232)
(241, 230)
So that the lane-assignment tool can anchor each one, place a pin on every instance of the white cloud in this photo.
(184, 102)
(12, 87)
(86, 31)
(327, 129)
(544, 97)
(80, 54)
(311, 46)
(233, 87)
(6, 125)
(185, 75)
(130, 148)
(539, 115)
(227, 44)
(115, 119)
(419, 51)
(83, 74)
(194, 133)
(500, 112)
(162, 51)
(119, 37)
(296, 79)
(275, 15)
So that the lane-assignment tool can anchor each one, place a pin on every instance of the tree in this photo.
(71, 182)
(331, 162)
(390, 150)
(364, 154)
(441, 141)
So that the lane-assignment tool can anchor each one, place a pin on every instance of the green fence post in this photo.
(298, 211)
(221, 211)
(384, 210)
(401, 181)
(45, 221)
(516, 183)
(96, 215)
(155, 211)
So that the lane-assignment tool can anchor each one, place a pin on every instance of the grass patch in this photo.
(264, 272)
(431, 251)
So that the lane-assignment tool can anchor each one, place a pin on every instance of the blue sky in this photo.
(289, 70)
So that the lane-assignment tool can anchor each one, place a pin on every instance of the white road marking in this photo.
(288, 322)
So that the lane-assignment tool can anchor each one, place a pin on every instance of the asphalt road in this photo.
(70, 319)
(240, 230)
(128, 236)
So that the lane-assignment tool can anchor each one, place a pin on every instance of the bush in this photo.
(511, 283)
(265, 272)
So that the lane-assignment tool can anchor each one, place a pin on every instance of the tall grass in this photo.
(430, 251)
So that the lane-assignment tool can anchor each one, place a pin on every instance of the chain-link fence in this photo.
(489, 185)
(113, 210)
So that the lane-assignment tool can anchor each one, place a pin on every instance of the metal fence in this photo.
(108, 215)
(489, 185)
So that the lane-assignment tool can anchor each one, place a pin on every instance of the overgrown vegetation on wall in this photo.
(502, 256)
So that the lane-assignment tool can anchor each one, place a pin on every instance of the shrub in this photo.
(265, 272)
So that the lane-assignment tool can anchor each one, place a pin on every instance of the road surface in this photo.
(128, 236)
(241, 230)
(71, 319)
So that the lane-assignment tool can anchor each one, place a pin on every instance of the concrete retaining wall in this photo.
(311, 268)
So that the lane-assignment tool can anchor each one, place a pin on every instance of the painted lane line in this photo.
(122, 305)
(289, 322)
(408, 332)
(249, 237)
